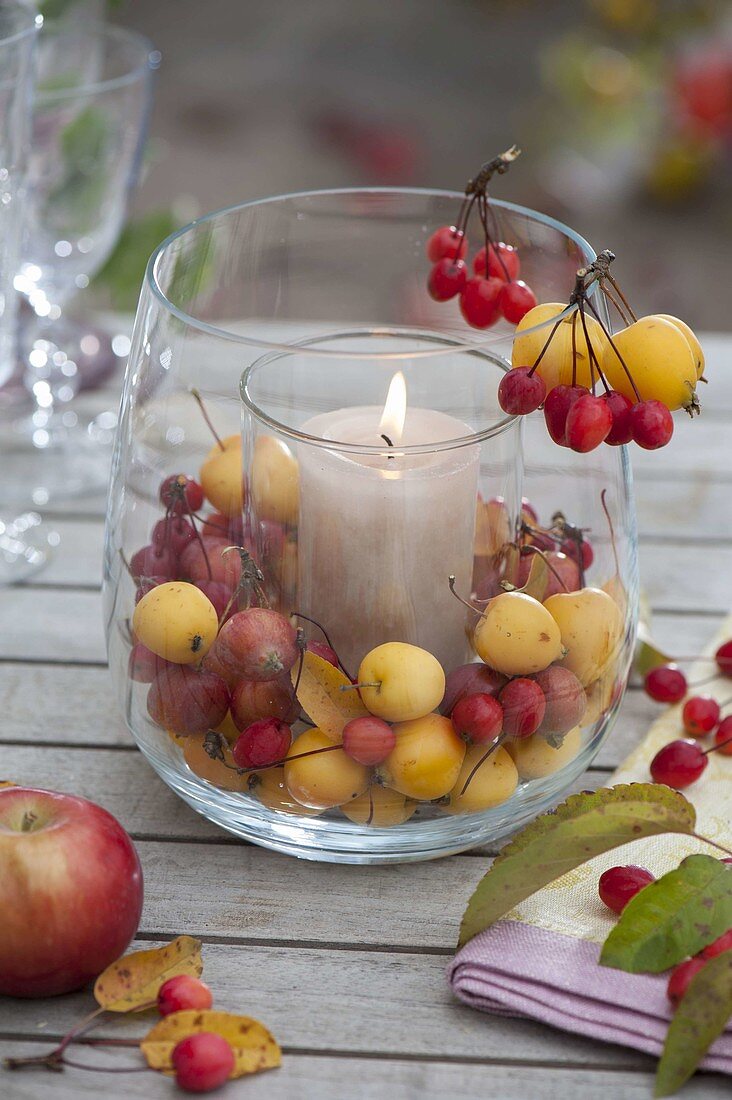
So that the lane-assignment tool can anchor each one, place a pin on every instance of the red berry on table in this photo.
(503, 262)
(556, 407)
(700, 715)
(447, 242)
(447, 278)
(652, 424)
(183, 992)
(622, 429)
(180, 494)
(585, 551)
(720, 945)
(323, 650)
(479, 301)
(368, 740)
(678, 764)
(521, 392)
(681, 976)
(263, 743)
(618, 885)
(516, 300)
(589, 421)
(723, 657)
(478, 717)
(202, 1062)
(665, 684)
(723, 737)
(523, 705)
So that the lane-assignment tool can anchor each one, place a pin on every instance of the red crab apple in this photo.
(71, 893)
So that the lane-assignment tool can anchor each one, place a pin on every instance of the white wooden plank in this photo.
(348, 1002)
(76, 705)
(51, 625)
(333, 1078)
(77, 561)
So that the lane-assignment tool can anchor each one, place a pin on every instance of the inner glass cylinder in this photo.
(392, 457)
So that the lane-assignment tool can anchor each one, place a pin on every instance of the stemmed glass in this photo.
(89, 120)
(23, 541)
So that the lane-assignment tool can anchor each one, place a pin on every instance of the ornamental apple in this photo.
(70, 893)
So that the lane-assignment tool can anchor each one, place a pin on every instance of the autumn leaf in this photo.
(584, 826)
(253, 1045)
(7, 783)
(702, 1014)
(133, 981)
(327, 695)
(672, 918)
(538, 578)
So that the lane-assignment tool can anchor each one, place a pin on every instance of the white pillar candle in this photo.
(379, 536)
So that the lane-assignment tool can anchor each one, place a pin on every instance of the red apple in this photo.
(70, 891)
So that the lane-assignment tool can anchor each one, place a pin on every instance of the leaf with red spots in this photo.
(326, 695)
(584, 826)
(703, 1013)
(132, 982)
(672, 918)
(254, 1048)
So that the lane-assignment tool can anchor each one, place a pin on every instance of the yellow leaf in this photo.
(7, 783)
(253, 1045)
(134, 980)
(322, 698)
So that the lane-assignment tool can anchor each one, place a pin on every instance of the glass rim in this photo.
(152, 282)
(374, 450)
(28, 23)
(150, 59)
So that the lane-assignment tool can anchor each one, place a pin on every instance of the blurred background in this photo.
(623, 109)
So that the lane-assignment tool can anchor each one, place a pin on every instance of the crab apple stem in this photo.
(543, 351)
(105, 1069)
(714, 843)
(301, 645)
(608, 517)
(594, 362)
(574, 348)
(451, 582)
(550, 567)
(613, 345)
(321, 628)
(355, 687)
(370, 818)
(204, 413)
(716, 748)
(624, 316)
(498, 165)
(616, 287)
(491, 749)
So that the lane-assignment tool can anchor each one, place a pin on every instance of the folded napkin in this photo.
(541, 960)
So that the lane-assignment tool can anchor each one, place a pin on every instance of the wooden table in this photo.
(344, 964)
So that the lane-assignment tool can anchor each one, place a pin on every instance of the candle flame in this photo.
(395, 409)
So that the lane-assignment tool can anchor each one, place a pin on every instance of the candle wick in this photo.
(389, 444)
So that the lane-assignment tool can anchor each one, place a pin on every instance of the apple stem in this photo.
(207, 418)
(713, 843)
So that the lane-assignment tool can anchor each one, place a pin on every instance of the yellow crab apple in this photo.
(400, 682)
(275, 481)
(176, 621)
(537, 756)
(221, 476)
(325, 778)
(591, 627)
(660, 360)
(380, 807)
(556, 366)
(494, 779)
(426, 759)
(516, 635)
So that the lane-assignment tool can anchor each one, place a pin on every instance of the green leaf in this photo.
(672, 918)
(701, 1016)
(584, 826)
(122, 274)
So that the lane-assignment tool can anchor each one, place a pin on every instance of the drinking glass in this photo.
(23, 539)
(89, 120)
(343, 431)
